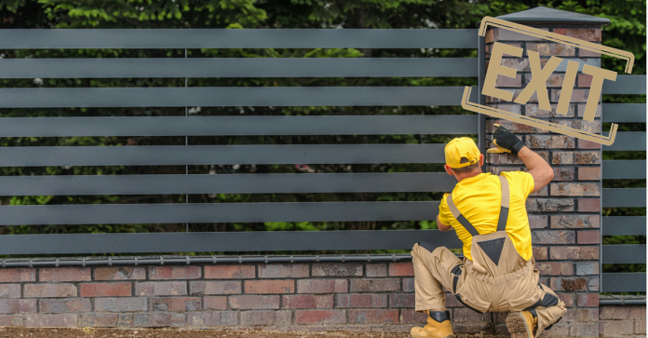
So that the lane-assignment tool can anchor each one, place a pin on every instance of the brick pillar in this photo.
(565, 216)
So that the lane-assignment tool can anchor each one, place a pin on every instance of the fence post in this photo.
(565, 216)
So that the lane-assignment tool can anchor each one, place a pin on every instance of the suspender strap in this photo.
(462, 220)
(504, 209)
(503, 215)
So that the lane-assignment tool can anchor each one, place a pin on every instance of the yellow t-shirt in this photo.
(479, 198)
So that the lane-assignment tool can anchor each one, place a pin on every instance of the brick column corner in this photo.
(565, 216)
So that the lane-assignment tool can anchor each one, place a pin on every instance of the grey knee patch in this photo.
(427, 246)
(549, 300)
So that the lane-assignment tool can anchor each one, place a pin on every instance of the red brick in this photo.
(98, 320)
(215, 303)
(376, 270)
(567, 299)
(616, 327)
(283, 270)
(361, 300)
(64, 305)
(106, 290)
(589, 237)
(578, 95)
(556, 269)
(584, 80)
(11, 320)
(174, 272)
(554, 80)
(583, 144)
(17, 305)
(17, 275)
(229, 271)
(266, 317)
(9, 290)
(542, 205)
(253, 302)
(212, 318)
(587, 34)
(504, 81)
(270, 286)
(550, 142)
(408, 284)
(409, 316)
(307, 302)
(373, 316)
(615, 312)
(375, 285)
(401, 269)
(589, 173)
(320, 316)
(582, 315)
(540, 253)
(337, 269)
(49, 290)
(322, 286)
(63, 320)
(588, 299)
(562, 174)
(568, 284)
(575, 222)
(215, 288)
(575, 189)
(533, 110)
(589, 204)
(575, 157)
(158, 319)
(401, 300)
(64, 275)
(129, 304)
(122, 273)
(174, 304)
(553, 237)
(574, 252)
(543, 192)
(161, 289)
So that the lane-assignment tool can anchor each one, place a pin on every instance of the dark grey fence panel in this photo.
(626, 84)
(624, 112)
(237, 125)
(624, 226)
(236, 38)
(628, 141)
(623, 282)
(238, 67)
(224, 184)
(624, 169)
(217, 213)
(220, 154)
(624, 254)
(230, 96)
(624, 198)
(223, 241)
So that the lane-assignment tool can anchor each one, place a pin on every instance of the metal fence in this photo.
(229, 125)
(624, 197)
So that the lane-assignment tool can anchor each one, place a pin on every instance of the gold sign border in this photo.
(529, 121)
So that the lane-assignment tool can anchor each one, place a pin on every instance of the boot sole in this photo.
(517, 326)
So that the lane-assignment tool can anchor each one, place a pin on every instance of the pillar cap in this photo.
(545, 15)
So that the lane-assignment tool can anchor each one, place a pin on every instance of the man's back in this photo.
(478, 198)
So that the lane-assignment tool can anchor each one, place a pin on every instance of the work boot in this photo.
(438, 326)
(522, 324)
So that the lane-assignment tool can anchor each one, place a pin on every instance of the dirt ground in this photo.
(9, 332)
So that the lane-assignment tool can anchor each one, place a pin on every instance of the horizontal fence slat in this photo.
(217, 213)
(624, 254)
(258, 241)
(624, 226)
(626, 84)
(236, 38)
(624, 112)
(230, 96)
(624, 198)
(628, 141)
(624, 169)
(237, 125)
(224, 184)
(237, 67)
(221, 154)
(623, 282)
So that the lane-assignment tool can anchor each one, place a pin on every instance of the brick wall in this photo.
(319, 296)
(564, 216)
(623, 321)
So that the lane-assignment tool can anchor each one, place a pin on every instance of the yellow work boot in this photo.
(522, 324)
(438, 326)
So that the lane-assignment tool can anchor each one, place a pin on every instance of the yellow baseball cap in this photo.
(458, 148)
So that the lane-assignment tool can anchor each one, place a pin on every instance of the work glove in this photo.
(505, 142)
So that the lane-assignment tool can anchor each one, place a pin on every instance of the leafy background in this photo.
(626, 31)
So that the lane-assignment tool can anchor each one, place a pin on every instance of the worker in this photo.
(488, 214)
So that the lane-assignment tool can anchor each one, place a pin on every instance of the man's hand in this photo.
(505, 141)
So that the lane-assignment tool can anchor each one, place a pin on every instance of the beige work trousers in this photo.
(433, 272)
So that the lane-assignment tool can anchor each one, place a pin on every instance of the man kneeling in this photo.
(488, 214)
